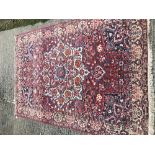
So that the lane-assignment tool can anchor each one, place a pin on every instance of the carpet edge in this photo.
(150, 80)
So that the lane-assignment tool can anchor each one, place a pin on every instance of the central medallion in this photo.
(67, 71)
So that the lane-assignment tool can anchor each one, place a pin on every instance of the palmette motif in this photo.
(88, 75)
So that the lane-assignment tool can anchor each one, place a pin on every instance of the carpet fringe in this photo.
(14, 101)
(151, 95)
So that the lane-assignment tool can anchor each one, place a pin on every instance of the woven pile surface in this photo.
(85, 75)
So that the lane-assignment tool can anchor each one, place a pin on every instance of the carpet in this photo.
(85, 75)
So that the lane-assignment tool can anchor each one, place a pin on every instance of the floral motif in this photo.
(136, 32)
